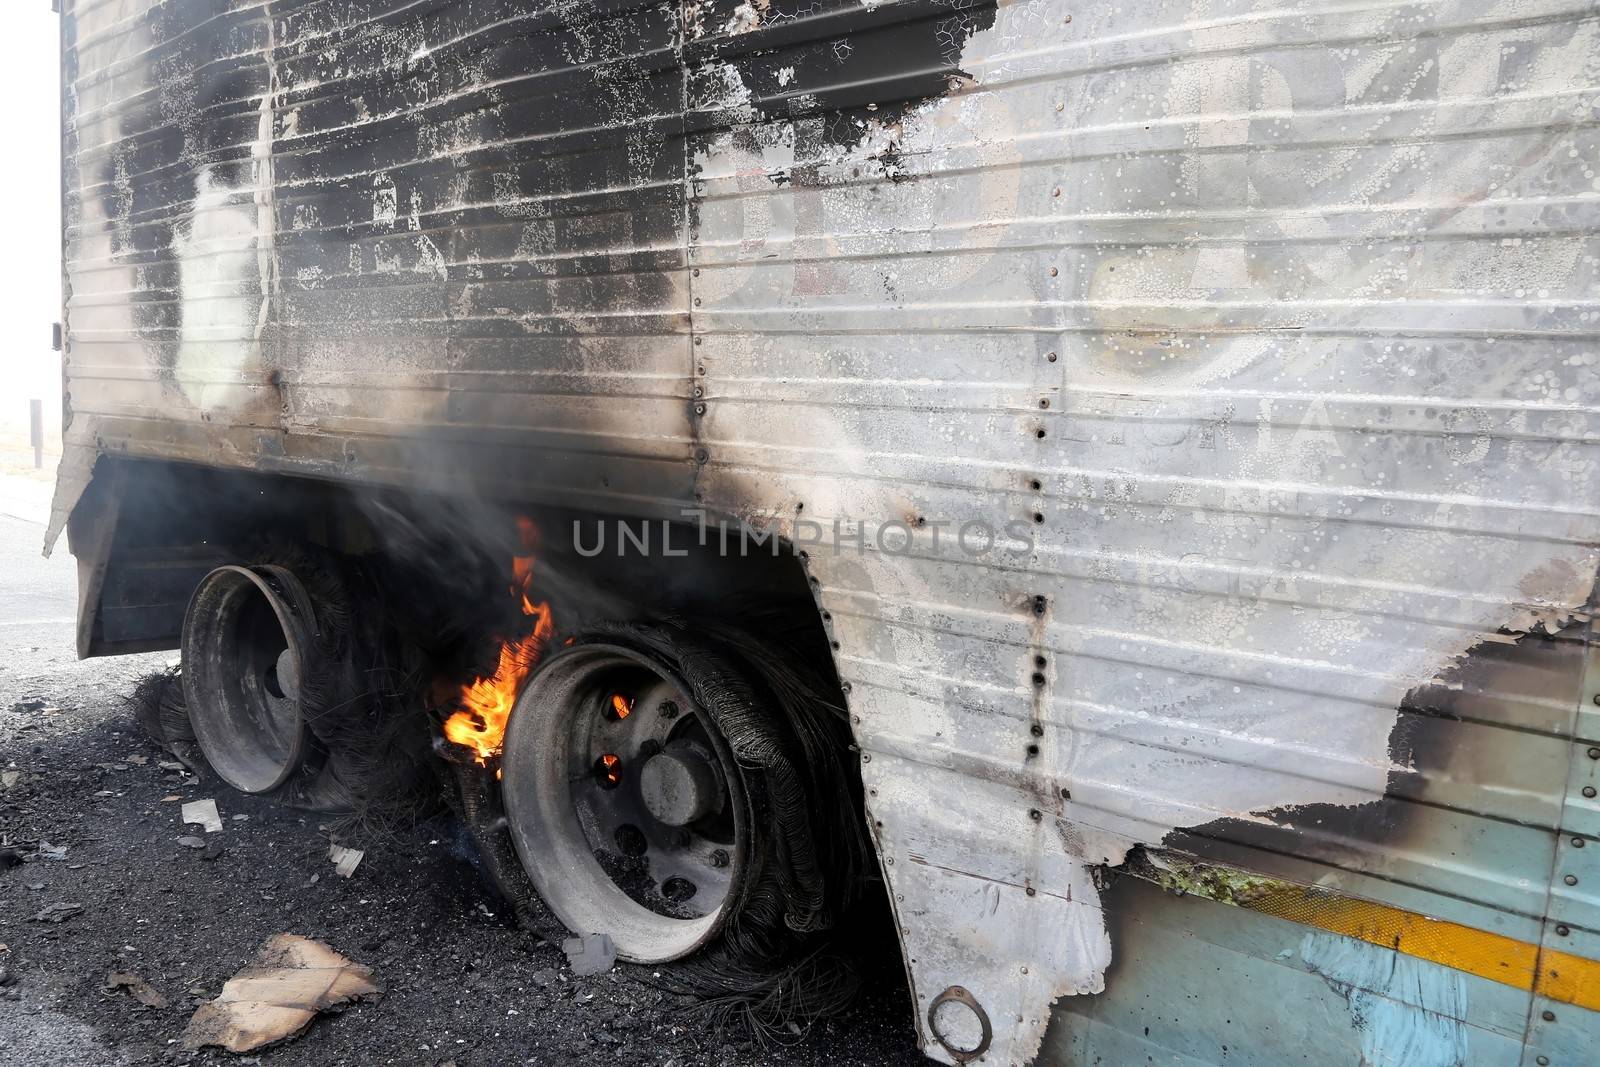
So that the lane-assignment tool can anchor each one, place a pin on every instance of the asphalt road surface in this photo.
(87, 804)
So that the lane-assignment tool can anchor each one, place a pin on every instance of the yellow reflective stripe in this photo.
(1559, 976)
(1570, 979)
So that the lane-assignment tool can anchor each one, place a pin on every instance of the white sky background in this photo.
(30, 212)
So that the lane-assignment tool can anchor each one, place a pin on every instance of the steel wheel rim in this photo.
(244, 649)
(565, 821)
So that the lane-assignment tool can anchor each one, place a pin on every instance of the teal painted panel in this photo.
(1575, 893)
(1562, 1035)
(1581, 813)
(1196, 982)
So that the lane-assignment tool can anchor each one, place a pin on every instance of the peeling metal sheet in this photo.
(1274, 326)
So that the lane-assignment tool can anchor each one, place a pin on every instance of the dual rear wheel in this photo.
(663, 788)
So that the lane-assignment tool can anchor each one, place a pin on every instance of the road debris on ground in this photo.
(57, 913)
(46, 851)
(462, 980)
(203, 812)
(142, 991)
(344, 859)
(590, 954)
(277, 994)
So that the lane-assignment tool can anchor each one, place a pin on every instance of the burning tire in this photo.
(686, 799)
(626, 805)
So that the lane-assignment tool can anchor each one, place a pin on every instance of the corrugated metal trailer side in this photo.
(1272, 329)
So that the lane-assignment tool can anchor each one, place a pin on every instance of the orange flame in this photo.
(608, 767)
(621, 706)
(486, 704)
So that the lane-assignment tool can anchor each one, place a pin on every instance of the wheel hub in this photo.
(624, 802)
(678, 787)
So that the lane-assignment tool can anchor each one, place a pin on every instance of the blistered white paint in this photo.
(228, 268)
(220, 282)
(261, 165)
(429, 259)
(746, 16)
(1311, 447)
(385, 202)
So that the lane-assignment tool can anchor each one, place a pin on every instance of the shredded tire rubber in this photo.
(777, 960)
(370, 762)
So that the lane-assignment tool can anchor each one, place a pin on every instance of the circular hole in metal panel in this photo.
(959, 1023)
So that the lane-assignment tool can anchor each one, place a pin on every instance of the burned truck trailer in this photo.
(1118, 481)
